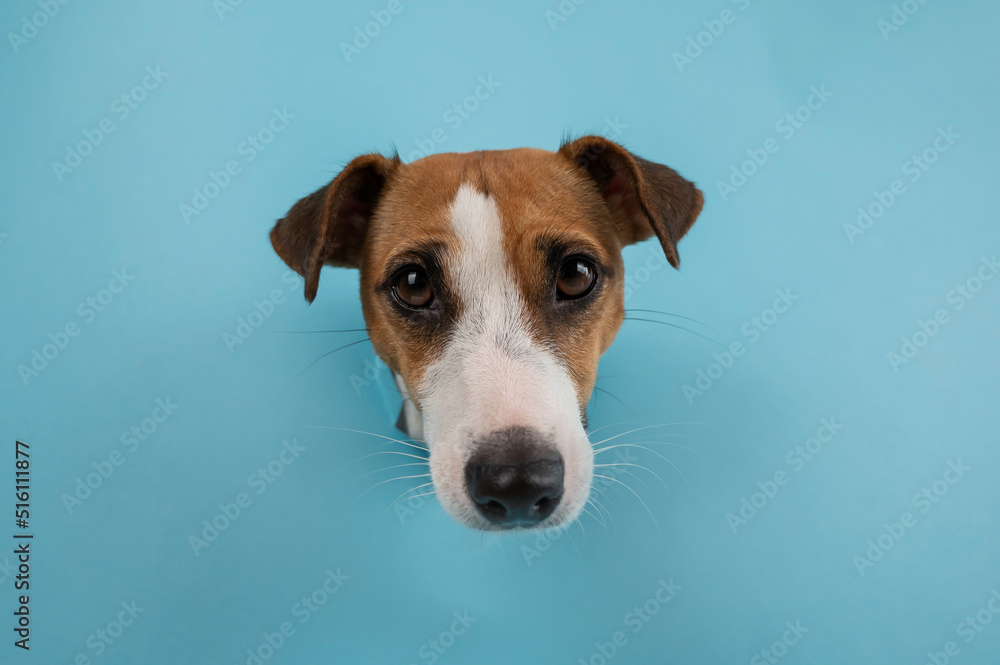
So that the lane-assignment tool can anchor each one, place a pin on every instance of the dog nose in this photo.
(515, 477)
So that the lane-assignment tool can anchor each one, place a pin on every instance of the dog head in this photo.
(491, 283)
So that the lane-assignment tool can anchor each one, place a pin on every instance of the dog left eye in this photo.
(412, 288)
(576, 278)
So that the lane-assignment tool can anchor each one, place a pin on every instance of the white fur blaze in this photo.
(493, 374)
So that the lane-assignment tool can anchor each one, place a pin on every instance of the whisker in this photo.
(639, 429)
(601, 505)
(315, 332)
(597, 489)
(686, 318)
(655, 475)
(611, 425)
(615, 397)
(681, 473)
(358, 431)
(641, 481)
(593, 516)
(421, 475)
(339, 348)
(652, 443)
(417, 496)
(638, 422)
(401, 496)
(674, 325)
(388, 452)
(395, 466)
(657, 526)
(583, 533)
(598, 516)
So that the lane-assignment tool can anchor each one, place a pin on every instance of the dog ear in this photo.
(644, 197)
(329, 225)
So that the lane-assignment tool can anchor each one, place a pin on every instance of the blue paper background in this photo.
(608, 68)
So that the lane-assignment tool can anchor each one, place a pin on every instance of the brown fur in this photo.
(591, 196)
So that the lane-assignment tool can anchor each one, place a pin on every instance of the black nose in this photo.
(515, 477)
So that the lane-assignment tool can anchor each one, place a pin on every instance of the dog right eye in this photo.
(412, 288)
(576, 278)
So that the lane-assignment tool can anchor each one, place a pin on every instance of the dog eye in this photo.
(412, 288)
(576, 278)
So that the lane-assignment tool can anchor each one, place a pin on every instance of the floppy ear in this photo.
(329, 225)
(644, 197)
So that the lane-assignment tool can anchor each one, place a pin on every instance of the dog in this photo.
(491, 283)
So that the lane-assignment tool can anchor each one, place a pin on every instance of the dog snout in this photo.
(515, 477)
